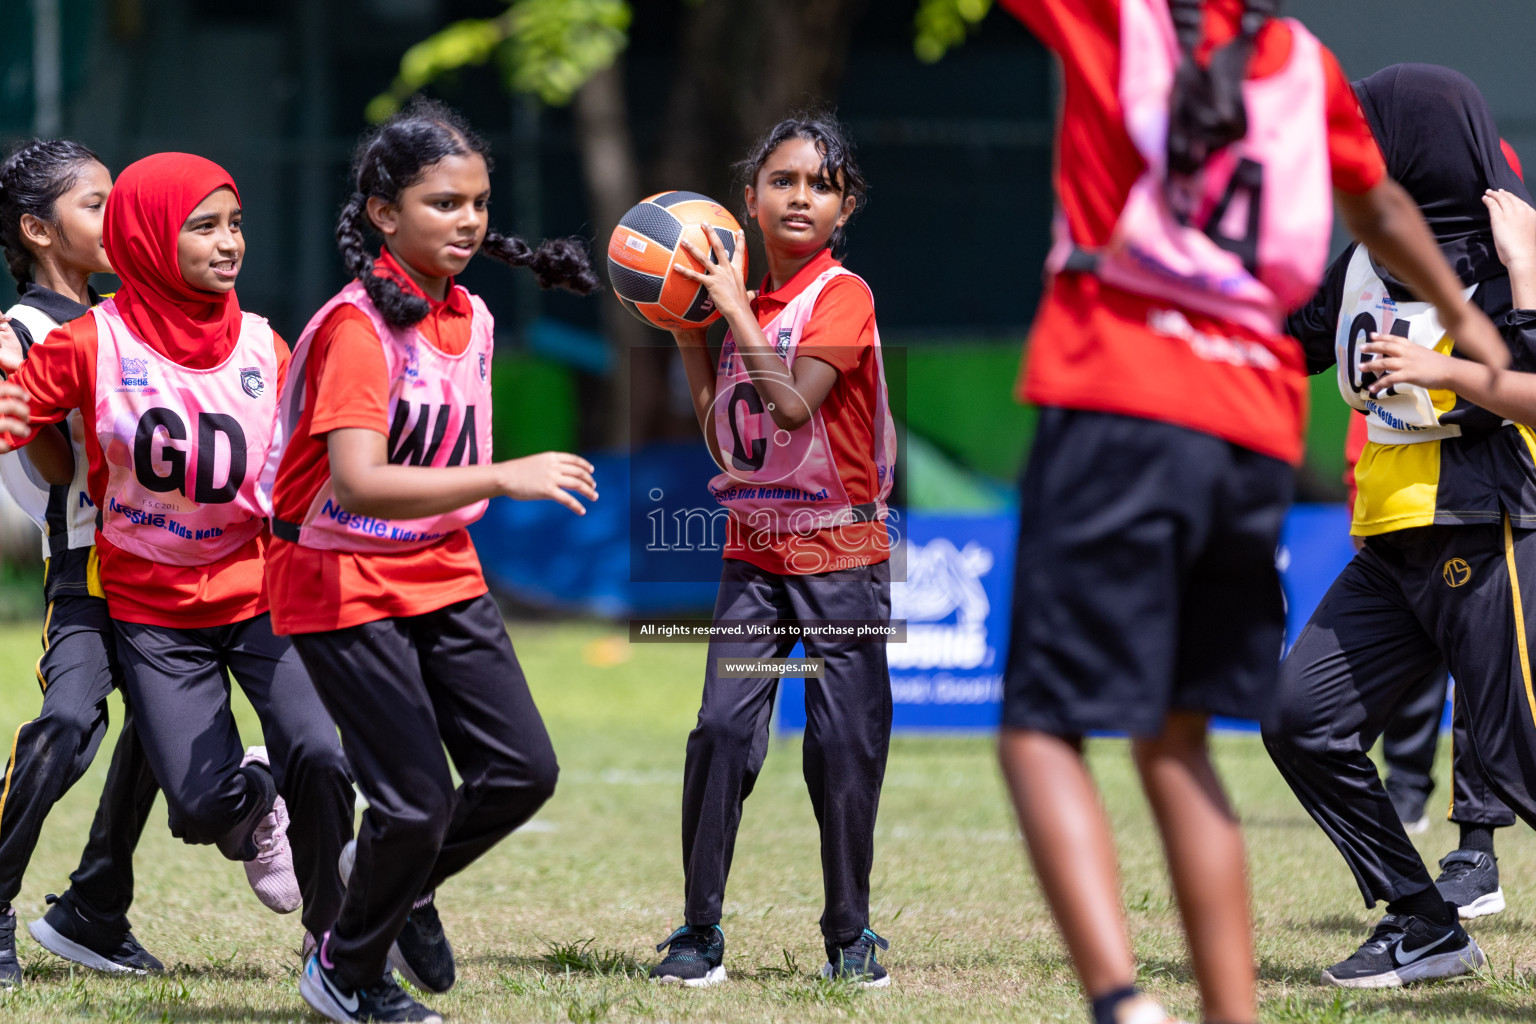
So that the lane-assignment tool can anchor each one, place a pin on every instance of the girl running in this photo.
(794, 411)
(386, 461)
(1446, 511)
(52, 197)
(176, 388)
(1146, 597)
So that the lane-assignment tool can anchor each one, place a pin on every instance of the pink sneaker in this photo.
(270, 872)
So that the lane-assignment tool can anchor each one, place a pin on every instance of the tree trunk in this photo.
(741, 66)
(612, 174)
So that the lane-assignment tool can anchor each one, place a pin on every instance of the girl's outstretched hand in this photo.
(549, 476)
(1399, 361)
(725, 276)
(1514, 229)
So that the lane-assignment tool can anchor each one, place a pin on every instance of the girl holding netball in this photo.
(1146, 597)
(53, 195)
(794, 406)
(386, 461)
(176, 388)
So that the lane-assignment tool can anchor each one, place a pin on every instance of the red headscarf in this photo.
(150, 201)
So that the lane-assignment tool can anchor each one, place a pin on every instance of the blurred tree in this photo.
(941, 25)
(740, 66)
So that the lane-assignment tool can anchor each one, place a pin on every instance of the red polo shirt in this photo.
(347, 385)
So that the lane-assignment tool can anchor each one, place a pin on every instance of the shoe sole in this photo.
(826, 972)
(1489, 903)
(1417, 828)
(319, 1000)
(1442, 966)
(48, 937)
(397, 962)
(714, 977)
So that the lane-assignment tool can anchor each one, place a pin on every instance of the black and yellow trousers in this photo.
(50, 753)
(1408, 599)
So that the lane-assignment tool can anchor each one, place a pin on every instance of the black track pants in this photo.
(847, 737)
(401, 690)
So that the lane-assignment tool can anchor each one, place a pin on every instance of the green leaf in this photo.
(548, 48)
(941, 25)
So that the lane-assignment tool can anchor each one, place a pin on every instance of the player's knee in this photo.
(720, 728)
(320, 759)
(528, 778)
(65, 728)
(424, 821)
(543, 774)
(202, 817)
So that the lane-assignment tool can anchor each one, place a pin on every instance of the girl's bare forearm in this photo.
(1506, 393)
(411, 492)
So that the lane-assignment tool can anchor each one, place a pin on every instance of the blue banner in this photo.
(948, 675)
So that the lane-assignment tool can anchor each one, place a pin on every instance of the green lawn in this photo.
(558, 922)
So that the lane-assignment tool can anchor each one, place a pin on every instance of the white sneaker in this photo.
(270, 873)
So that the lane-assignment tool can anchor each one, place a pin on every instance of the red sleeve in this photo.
(60, 373)
(1357, 162)
(351, 383)
(284, 356)
(842, 325)
(1056, 23)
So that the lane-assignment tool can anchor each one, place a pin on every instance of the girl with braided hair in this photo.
(176, 388)
(53, 193)
(386, 416)
(1195, 153)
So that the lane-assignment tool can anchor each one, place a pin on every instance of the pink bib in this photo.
(787, 481)
(439, 415)
(186, 450)
(1250, 240)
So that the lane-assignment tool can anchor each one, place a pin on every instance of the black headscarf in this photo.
(1438, 136)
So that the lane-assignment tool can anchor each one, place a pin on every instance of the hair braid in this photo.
(393, 158)
(556, 263)
(1206, 111)
(32, 178)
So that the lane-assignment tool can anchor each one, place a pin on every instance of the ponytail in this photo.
(557, 263)
(394, 157)
(1206, 110)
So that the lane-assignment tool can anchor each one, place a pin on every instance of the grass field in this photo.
(558, 923)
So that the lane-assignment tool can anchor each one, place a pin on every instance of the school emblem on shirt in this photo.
(782, 347)
(1456, 572)
(251, 380)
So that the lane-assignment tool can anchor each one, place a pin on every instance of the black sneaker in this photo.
(421, 952)
(66, 932)
(695, 957)
(1404, 949)
(1470, 879)
(855, 961)
(10, 967)
(383, 1003)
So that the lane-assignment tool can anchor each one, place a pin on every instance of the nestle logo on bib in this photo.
(251, 381)
(782, 348)
(135, 372)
